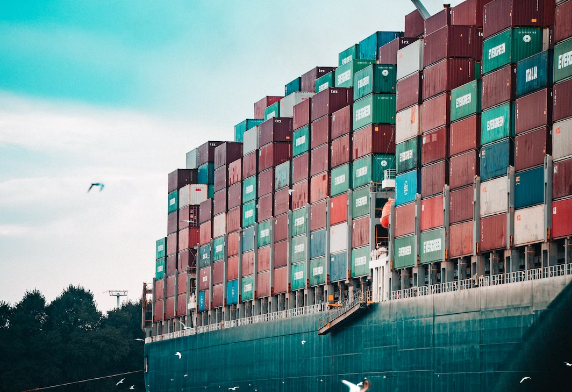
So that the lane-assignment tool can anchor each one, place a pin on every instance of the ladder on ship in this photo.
(341, 313)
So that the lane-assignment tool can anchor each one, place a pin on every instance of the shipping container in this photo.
(360, 232)
(376, 79)
(497, 123)
(360, 262)
(232, 292)
(204, 278)
(408, 124)
(310, 77)
(405, 220)
(299, 249)
(318, 243)
(172, 242)
(206, 232)
(281, 254)
(562, 140)
(321, 131)
(170, 307)
(435, 145)
(299, 222)
(272, 111)
(204, 256)
(234, 196)
(173, 202)
(233, 219)
(249, 214)
(466, 100)
(241, 128)
(232, 243)
(494, 196)
(218, 249)
(181, 177)
(373, 139)
(410, 59)
(432, 212)
(534, 73)
(348, 55)
(387, 54)
(326, 81)
(465, 135)
(317, 272)
(360, 202)
(345, 73)
(468, 13)
(206, 210)
(280, 280)
(447, 75)
(187, 258)
(235, 172)
(493, 233)
(298, 278)
(301, 114)
(414, 24)
(282, 176)
(495, 158)
(266, 207)
(338, 209)
(277, 129)
(510, 46)
(531, 148)
(463, 168)
(219, 225)
(407, 185)
(220, 202)
(432, 246)
(247, 289)
(330, 100)
(181, 304)
(435, 112)
(261, 105)
(218, 272)
(207, 152)
(301, 141)
(266, 182)
(533, 111)
(287, 103)
(341, 179)
(319, 187)
(374, 109)
(158, 311)
(301, 168)
(338, 271)
(434, 177)
(161, 248)
(562, 179)
(320, 158)
(189, 238)
(409, 91)
(293, 86)
(498, 86)
(563, 22)
(263, 258)
(561, 222)
(300, 194)
(159, 289)
(529, 225)
(218, 298)
(405, 252)
(247, 263)
(371, 169)
(220, 178)
(250, 143)
(338, 238)
(341, 149)
(437, 21)
(461, 240)
(368, 48)
(452, 41)
(172, 220)
(232, 268)
(160, 268)
(204, 303)
(502, 14)
(263, 284)
(227, 152)
(193, 194)
(206, 173)
(318, 214)
(274, 154)
(281, 201)
(192, 159)
(562, 100)
(171, 263)
(249, 189)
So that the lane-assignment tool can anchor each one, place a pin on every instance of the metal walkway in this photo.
(344, 312)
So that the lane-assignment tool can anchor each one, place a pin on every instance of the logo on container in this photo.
(249, 189)
(301, 140)
(495, 123)
(160, 268)
(249, 213)
(247, 287)
(298, 275)
(323, 86)
(564, 60)
(299, 221)
(299, 248)
(526, 38)
(218, 249)
(432, 245)
(363, 112)
(344, 77)
(205, 279)
(205, 256)
(404, 251)
(264, 233)
(385, 72)
(318, 271)
(462, 101)
(346, 60)
(497, 51)
(362, 201)
(531, 74)
(340, 179)
(405, 188)
(172, 201)
(160, 248)
(360, 261)
(362, 171)
(405, 155)
(270, 115)
(364, 81)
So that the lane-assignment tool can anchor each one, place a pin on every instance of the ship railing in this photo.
(189, 331)
(515, 277)
(554, 270)
(149, 339)
(466, 284)
(534, 274)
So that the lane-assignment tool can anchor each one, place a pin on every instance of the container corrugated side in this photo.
(493, 233)
(410, 59)
(533, 111)
(463, 168)
(531, 148)
(561, 222)
(407, 155)
(407, 185)
(404, 255)
(494, 196)
(498, 86)
(562, 100)
(562, 179)
(360, 262)
(408, 124)
(511, 46)
(299, 249)
(317, 271)
(465, 135)
(338, 269)
(338, 237)
(562, 139)
(529, 225)
(376, 79)
(374, 109)
(497, 123)
(534, 73)
(496, 158)
(301, 141)
(431, 212)
(461, 240)
(405, 220)
(432, 246)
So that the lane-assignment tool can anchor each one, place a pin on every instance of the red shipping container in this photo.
(373, 139)
(463, 168)
(206, 210)
(172, 242)
(465, 135)
(219, 204)
(461, 240)
(234, 196)
(171, 264)
(433, 178)
(414, 24)
(232, 268)
(498, 87)
(235, 172)
(218, 272)
(220, 178)
(319, 187)
(250, 164)
(438, 20)
(274, 154)
(233, 219)
(563, 22)
(318, 215)
(360, 232)
(561, 222)
(159, 288)
(266, 182)
(338, 209)
(493, 233)
(247, 263)
(404, 220)
(206, 233)
(282, 201)
(226, 153)
(342, 122)
(533, 111)
(435, 145)
(388, 53)
(189, 238)
(301, 168)
(276, 129)
(170, 286)
(280, 254)
(302, 113)
(447, 75)
(182, 304)
(320, 158)
(562, 179)
(330, 100)
(158, 311)
(181, 177)
(321, 131)
(261, 105)
(531, 148)
(206, 152)
(172, 222)
(562, 100)
(432, 212)
(409, 91)
(265, 207)
(170, 308)
(204, 278)
(468, 13)
(435, 112)
(187, 258)
(461, 205)
(452, 41)
(499, 15)
(263, 259)
(309, 78)
(188, 217)
(232, 248)
(263, 284)
(300, 194)
(280, 228)
(341, 151)
(280, 280)
(218, 297)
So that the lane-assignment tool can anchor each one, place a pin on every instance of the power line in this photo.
(82, 381)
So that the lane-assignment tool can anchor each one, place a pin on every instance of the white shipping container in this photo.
(408, 124)
(219, 225)
(287, 103)
(250, 141)
(494, 196)
(192, 159)
(562, 139)
(338, 238)
(529, 225)
(193, 194)
(410, 59)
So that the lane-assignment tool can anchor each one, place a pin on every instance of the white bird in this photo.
(185, 375)
(96, 184)
(290, 191)
(184, 326)
(303, 342)
(359, 384)
(352, 387)
(179, 354)
(132, 387)
(233, 388)
(525, 378)
(140, 340)
(567, 364)
(120, 382)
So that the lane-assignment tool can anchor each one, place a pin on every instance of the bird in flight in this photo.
(567, 364)
(120, 382)
(140, 340)
(183, 324)
(360, 387)
(233, 388)
(100, 185)
(132, 387)
(179, 354)
(525, 378)
(290, 191)
(303, 342)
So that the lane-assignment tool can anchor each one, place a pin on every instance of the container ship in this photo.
(403, 217)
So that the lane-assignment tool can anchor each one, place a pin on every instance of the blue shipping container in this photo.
(338, 267)
(201, 301)
(204, 256)
(529, 188)
(206, 173)
(293, 86)
(244, 126)
(496, 158)
(534, 73)
(369, 47)
(232, 292)
(407, 185)
(248, 239)
(317, 243)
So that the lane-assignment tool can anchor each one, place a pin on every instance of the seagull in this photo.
(140, 340)
(120, 382)
(567, 364)
(303, 342)
(132, 387)
(179, 354)
(525, 378)
(189, 221)
(233, 388)
(185, 375)
(290, 191)
(96, 184)
(184, 326)
(358, 387)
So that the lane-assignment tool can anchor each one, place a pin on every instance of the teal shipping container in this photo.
(249, 214)
(529, 187)
(242, 127)
(264, 232)
(160, 268)
(204, 256)
(374, 109)
(318, 243)
(218, 249)
(173, 201)
(360, 262)
(369, 47)
(432, 247)
(371, 169)
(298, 276)
(247, 288)
(407, 156)
(407, 185)
(404, 252)
(299, 249)
(161, 248)
(210, 191)
(301, 141)
(249, 189)
(299, 222)
(272, 111)
(563, 60)
(232, 292)
(206, 173)
(533, 73)
(325, 81)
(340, 179)
(293, 86)
(282, 175)
(497, 123)
(496, 158)
(338, 267)
(511, 46)
(360, 199)
(466, 100)
(345, 73)
(201, 301)
(347, 55)
(317, 271)
(376, 79)
(248, 237)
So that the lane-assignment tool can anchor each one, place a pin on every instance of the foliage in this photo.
(69, 340)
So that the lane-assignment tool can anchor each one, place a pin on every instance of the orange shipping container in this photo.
(461, 239)
(338, 209)
(319, 187)
(280, 280)
(431, 212)
(232, 268)
(404, 219)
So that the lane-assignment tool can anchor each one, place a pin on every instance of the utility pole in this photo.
(117, 293)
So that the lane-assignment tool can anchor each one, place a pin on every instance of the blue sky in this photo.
(118, 91)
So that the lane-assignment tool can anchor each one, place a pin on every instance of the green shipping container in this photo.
(160, 268)
(432, 246)
(272, 111)
(301, 140)
(340, 179)
(248, 214)
(497, 123)
(210, 191)
(299, 276)
(173, 201)
(244, 126)
(299, 250)
(264, 233)
(370, 169)
(360, 202)
(249, 188)
(325, 81)
(348, 55)
(206, 173)
(563, 60)
(466, 100)
(161, 248)
(407, 156)
(404, 252)
(510, 46)
(204, 256)
(317, 271)
(282, 176)
(374, 109)
(218, 251)
(247, 288)
(345, 73)
(360, 262)
(299, 222)
(376, 79)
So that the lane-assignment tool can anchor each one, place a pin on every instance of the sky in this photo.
(117, 92)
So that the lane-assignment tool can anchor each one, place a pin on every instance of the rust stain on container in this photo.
(302, 113)
(463, 168)
(360, 232)
(232, 248)
(330, 100)
(338, 209)
(461, 239)
(235, 172)
(408, 92)
(465, 135)
(266, 207)
(204, 278)
(234, 195)
(434, 145)
(562, 179)
(405, 219)
(461, 205)
(452, 41)
(247, 263)
(533, 111)
(250, 164)
(531, 148)
(498, 87)
(493, 232)
(218, 272)
(263, 258)
(373, 139)
(432, 212)
(342, 121)
(266, 182)
(280, 254)
(263, 284)
(321, 131)
(301, 167)
(320, 158)
(562, 100)
(341, 150)
(233, 219)
(318, 215)
(433, 178)
(447, 75)
(280, 280)
(300, 194)
(232, 268)
(435, 112)
(319, 187)
(282, 201)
